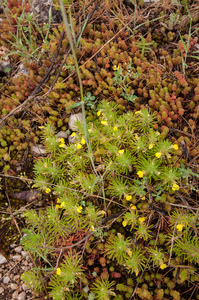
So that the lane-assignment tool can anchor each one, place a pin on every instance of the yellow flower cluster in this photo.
(121, 151)
(115, 68)
(124, 223)
(79, 209)
(158, 154)
(128, 197)
(104, 122)
(47, 190)
(62, 141)
(151, 145)
(140, 174)
(82, 142)
(175, 187)
(175, 147)
(142, 219)
(163, 266)
(58, 271)
(133, 207)
(179, 227)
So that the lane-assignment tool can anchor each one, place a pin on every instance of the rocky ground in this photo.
(11, 269)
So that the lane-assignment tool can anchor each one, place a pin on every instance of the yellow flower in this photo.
(115, 68)
(143, 198)
(151, 145)
(158, 154)
(58, 271)
(102, 212)
(128, 197)
(83, 142)
(98, 113)
(48, 190)
(163, 266)
(79, 209)
(104, 122)
(137, 137)
(137, 112)
(157, 133)
(57, 205)
(22, 275)
(141, 219)
(129, 252)
(121, 151)
(62, 146)
(115, 128)
(58, 200)
(41, 127)
(168, 155)
(133, 207)
(175, 147)
(140, 174)
(124, 223)
(180, 227)
(62, 204)
(92, 228)
(175, 187)
(73, 134)
(62, 141)
(79, 146)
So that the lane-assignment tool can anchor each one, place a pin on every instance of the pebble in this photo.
(13, 286)
(15, 294)
(73, 119)
(3, 260)
(6, 279)
(21, 296)
(16, 277)
(1, 290)
(16, 257)
(18, 249)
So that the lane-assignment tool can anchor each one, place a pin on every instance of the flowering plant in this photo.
(132, 169)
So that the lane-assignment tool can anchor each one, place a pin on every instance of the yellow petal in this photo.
(79, 146)
(163, 266)
(83, 142)
(121, 151)
(58, 271)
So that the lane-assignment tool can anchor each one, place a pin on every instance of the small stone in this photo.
(14, 295)
(73, 119)
(16, 257)
(37, 150)
(3, 260)
(21, 296)
(71, 139)
(25, 287)
(18, 249)
(1, 290)
(62, 134)
(13, 286)
(24, 253)
(16, 277)
(6, 279)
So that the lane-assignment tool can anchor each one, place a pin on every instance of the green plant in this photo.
(121, 80)
(116, 248)
(102, 289)
(90, 101)
(24, 43)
